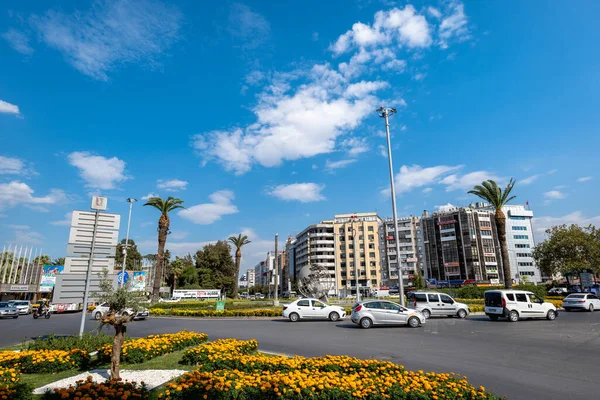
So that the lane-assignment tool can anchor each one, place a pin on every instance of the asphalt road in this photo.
(531, 359)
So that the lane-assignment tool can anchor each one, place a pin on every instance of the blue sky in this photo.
(261, 115)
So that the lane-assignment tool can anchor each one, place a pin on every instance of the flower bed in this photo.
(11, 387)
(140, 350)
(111, 389)
(213, 313)
(44, 361)
(218, 352)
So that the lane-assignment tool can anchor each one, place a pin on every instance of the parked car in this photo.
(252, 297)
(23, 306)
(383, 312)
(8, 310)
(103, 308)
(394, 290)
(259, 296)
(515, 304)
(558, 291)
(581, 301)
(312, 309)
(434, 303)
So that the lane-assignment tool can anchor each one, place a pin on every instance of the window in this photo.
(341, 231)
(371, 237)
(420, 298)
(526, 273)
(523, 254)
(372, 254)
(370, 229)
(534, 299)
(390, 306)
(522, 246)
(303, 303)
(433, 298)
(362, 264)
(521, 297)
(372, 263)
(518, 218)
(362, 246)
(520, 236)
(510, 296)
(374, 281)
(351, 255)
(592, 297)
(373, 304)
(519, 228)
(525, 264)
(343, 264)
(352, 263)
(486, 233)
(371, 245)
(361, 229)
(361, 237)
(446, 299)
(373, 272)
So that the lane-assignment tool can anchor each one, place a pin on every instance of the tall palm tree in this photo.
(175, 269)
(164, 206)
(491, 193)
(238, 241)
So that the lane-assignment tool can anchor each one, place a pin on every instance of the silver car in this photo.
(581, 301)
(383, 312)
(8, 311)
(23, 306)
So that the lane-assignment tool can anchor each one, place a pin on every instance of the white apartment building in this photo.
(268, 278)
(409, 236)
(315, 245)
(258, 273)
(250, 278)
(520, 243)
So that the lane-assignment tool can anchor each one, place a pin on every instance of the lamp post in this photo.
(385, 113)
(130, 201)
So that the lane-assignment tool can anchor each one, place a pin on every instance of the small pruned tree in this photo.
(123, 305)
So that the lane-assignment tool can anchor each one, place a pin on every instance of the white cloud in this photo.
(149, 196)
(66, 221)
(585, 179)
(18, 41)
(14, 166)
(8, 108)
(176, 248)
(28, 237)
(552, 171)
(434, 12)
(560, 187)
(382, 150)
(554, 194)
(454, 26)
(254, 78)
(302, 192)
(427, 190)
(111, 34)
(205, 214)
(445, 208)
(411, 177)
(178, 235)
(172, 185)
(468, 181)
(355, 146)
(540, 224)
(420, 76)
(528, 180)
(331, 165)
(363, 88)
(249, 27)
(15, 193)
(147, 224)
(98, 172)
(394, 65)
(19, 227)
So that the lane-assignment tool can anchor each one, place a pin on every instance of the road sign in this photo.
(69, 287)
(79, 265)
(85, 219)
(99, 203)
(84, 236)
(120, 277)
(220, 306)
(83, 250)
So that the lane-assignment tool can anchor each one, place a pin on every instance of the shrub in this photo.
(112, 389)
(139, 350)
(211, 305)
(213, 313)
(44, 361)
(212, 353)
(88, 342)
(11, 386)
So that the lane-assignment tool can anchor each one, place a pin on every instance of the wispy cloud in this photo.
(542, 223)
(15, 166)
(18, 41)
(66, 221)
(149, 196)
(554, 194)
(8, 108)
(248, 27)
(468, 181)
(204, 214)
(15, 193)
(111, 34)
(333, 165)
(529, 180)
(302, 192)
(99, 172)
(585, 178)
(171, 185)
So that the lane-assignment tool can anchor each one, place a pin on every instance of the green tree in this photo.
(418, 281)
(176, 268)
(165, 207)
(59, 261)
(44, 259)
(123, 305)
(238, 242)
(189, 278)
(491, 193)
(215, 265)
(134, 258)
(569, 250)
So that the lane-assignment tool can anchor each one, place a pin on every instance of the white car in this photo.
(312, 309)
(516, 304)
(581, 301)
(103, 308)
(23, 306)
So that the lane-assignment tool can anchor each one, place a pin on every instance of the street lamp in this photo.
(385, 113)
(130, 201)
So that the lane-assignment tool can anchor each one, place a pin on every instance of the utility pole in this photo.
(385, 113)
(276, 300)
(355, 245)
(89, 276)
(130, 201)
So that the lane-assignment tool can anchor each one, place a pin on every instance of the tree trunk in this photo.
(115, 358)
(238, 259)
(501, 228)
(174, 282)
(163, 229)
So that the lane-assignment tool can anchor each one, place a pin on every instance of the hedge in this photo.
(476, 292)
(210, 305)
(217, 314)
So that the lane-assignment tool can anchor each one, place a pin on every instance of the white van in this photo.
(434, 303)
(515, 304)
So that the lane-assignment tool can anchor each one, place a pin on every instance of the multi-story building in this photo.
(358, 252)
(284, 282)
(243, 282)
(269, 270)
(519, 240)
(290, 261)
(461, 243)
(315, 245)
(409, 236)
(258, 273)
(250, 277)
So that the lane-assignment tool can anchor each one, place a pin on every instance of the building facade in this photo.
(520, 243)
(250, 278)
(290, 260)
(315, 245)
(408, 233)
(258, 273)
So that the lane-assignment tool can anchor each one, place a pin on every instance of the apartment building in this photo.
(290, 260)
(258, 273)
(461, 243)
(250, 278)
(520, 243)
(315, 245)
(409, 235)
(359, 252)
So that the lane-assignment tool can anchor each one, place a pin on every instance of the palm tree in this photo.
(238, 241)
(490, 192)
(164, 206)
(176, 268)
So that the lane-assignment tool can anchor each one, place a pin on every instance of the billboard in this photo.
(49, 277)
(138, 284)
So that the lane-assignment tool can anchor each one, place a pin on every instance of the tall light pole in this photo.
(355, 248)
(276, 299)
(385, 113)
(130, 201)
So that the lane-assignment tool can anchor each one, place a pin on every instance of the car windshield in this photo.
(21, 303)
(3, 304)
(575, 296)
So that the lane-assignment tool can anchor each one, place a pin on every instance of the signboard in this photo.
(389, 238)
(446, 222)
(412, 259)
(19, 288)
(84, 236)
(99, 203)
(451, 264)
(79, 265)
(83, 250)
(86, 219)
(49, 277)
(120, 277)
(197, 294)
(69, 287)
(220, 306)
(138, 284)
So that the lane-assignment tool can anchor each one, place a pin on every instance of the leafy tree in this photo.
(189, 278)
(164, 206)
(491, 193)
(418, 281)
(59, 261)
(569, 250)
(123, 306)
(44, 259)
(177, 267)
(215, 265)
(238, 242)
(134, 258)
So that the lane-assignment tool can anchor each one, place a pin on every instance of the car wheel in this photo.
(413, 322)
(98, 315)
(294, 317)
(493, 317)
(366, 323)
(334, 316)
(426, 314)
(591, 309)
(462, 314)
(513, 316)
(551, 315)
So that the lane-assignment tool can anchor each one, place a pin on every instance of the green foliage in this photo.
(134, 258)
(216, 269)
(59, 261)
(119, 299)
(165, 206)
(210, 305)
(88, 342)
(189, 278)
(491, 193)
(418, 281)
